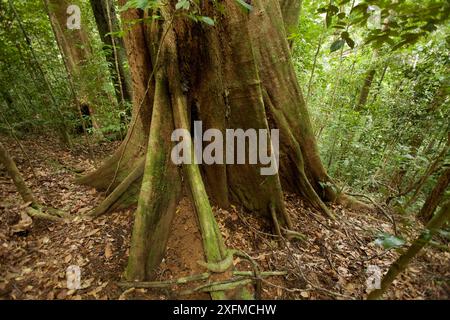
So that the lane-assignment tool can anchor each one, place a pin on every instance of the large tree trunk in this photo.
(236, 74)
(107, 22)
(77, 53)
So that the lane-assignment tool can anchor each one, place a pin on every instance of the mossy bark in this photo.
(107, 22)
(365, 89)
(433, 200)
(158, 194)
(291, 10)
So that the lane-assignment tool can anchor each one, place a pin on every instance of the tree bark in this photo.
(107, 22)
(15, 175)
(76, 51)
(365, 90)
(290, 10)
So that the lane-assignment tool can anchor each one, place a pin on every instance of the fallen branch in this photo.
(38, 214)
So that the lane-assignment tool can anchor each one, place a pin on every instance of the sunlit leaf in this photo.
(338, 44)
(207, 20)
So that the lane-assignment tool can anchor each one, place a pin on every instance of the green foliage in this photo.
(338, 44)
(244, 5)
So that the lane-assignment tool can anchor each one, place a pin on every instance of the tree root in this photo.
(240, 278)
(159, 192)
(163, 284)
(290, 234)
(305, 186)
(212, 240)
(114, 196)
(294, 235)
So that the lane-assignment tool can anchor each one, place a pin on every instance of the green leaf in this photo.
(142, 4)
(137, 4)
(333, 9)
(207, 20)
(346, 36)
(389, 241)
(338, 44)
(445, 233)
(245, 5)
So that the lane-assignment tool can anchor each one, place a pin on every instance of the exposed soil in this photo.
(330, 264)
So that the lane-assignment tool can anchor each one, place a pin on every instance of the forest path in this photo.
(331, 264)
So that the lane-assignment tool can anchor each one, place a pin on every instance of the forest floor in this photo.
(330, 264)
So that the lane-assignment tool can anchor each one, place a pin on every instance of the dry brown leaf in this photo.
(24, 224)
(108, 251)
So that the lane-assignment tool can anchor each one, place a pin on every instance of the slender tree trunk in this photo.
(365, 90)
(367, 84)
(77, 52)
(228, 76)
(107, 23)
(15, 175)
(434, 166)
(290, 10)
(61, 126)
(316, 55)
(435, 197)
(402, 262)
